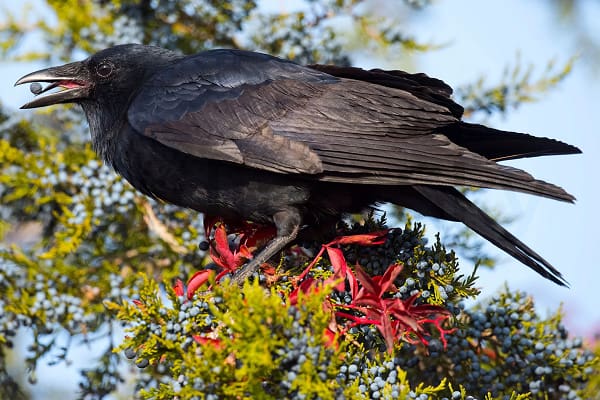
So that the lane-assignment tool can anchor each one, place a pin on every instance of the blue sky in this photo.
(482, 36)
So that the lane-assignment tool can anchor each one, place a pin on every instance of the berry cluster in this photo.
(10, 321)
(299, 350)
(375, 381)
(488, 345)
(429, 270)
(503, 346)
(107, 192)
(48, 307)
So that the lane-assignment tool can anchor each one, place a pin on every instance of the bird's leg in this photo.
(288, 225)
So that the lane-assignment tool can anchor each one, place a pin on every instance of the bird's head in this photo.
(109, 76)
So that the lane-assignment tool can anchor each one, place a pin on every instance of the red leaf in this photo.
(340, 268)
(353, 283)
(258, 234)
(373, 301)
(243, 252)
(387, 280)
(393, 317)
(139, 304)
(304, 287)
(388, 333)
(268, 269)
(204, 341)
(197, 280)
(338, 262)
(209, 224)
(178, 288)
(366, 239)
(330, 337)
(311, 265)
(222, 254)
(365, 280)
(408, 321)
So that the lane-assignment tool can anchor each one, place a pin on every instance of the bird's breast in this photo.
(214, 187)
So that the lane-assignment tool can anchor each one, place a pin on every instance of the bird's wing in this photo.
(270, 114)
(491, 143)
(424, 87)
(218, 105)
(378, 135)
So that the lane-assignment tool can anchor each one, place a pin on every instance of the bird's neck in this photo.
(104, 127)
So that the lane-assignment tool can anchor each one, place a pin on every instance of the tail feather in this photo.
(500, 145)
(459, 208)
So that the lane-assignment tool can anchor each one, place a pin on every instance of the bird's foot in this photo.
(245, 272)
(273, 247)
(288, 225)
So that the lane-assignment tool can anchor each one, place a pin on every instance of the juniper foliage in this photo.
(83, 255)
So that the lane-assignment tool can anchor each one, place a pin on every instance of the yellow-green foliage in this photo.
(592, 390)
(247, 340)
(94, 244)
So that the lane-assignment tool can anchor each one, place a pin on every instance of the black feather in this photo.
(249, 136)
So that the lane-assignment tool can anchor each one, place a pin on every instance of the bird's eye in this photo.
(105, 69)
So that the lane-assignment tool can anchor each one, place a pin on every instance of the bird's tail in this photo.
(499, 145)
(459, 208)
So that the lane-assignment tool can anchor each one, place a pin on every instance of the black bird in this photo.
(248, 136)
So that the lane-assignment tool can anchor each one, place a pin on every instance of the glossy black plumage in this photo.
(245, 135)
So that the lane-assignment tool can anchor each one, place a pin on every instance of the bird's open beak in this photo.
(71, 78)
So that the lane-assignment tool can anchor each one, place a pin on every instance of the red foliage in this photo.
(222, 255)
(178, 288)
(197, 280)
(365, 239)
(374, 298)
(250, 236)
(373, 301)
(203, 340)
(139, 304)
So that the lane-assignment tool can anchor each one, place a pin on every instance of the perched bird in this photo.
(249, 136)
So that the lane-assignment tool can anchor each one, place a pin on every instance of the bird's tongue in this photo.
(68, 84)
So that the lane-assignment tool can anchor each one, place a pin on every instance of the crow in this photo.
(251, 137)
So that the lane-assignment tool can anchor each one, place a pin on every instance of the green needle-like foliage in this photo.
(85, 259)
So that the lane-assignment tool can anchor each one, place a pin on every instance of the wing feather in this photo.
(277, 116)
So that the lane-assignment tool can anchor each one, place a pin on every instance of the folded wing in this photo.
(362, 127)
